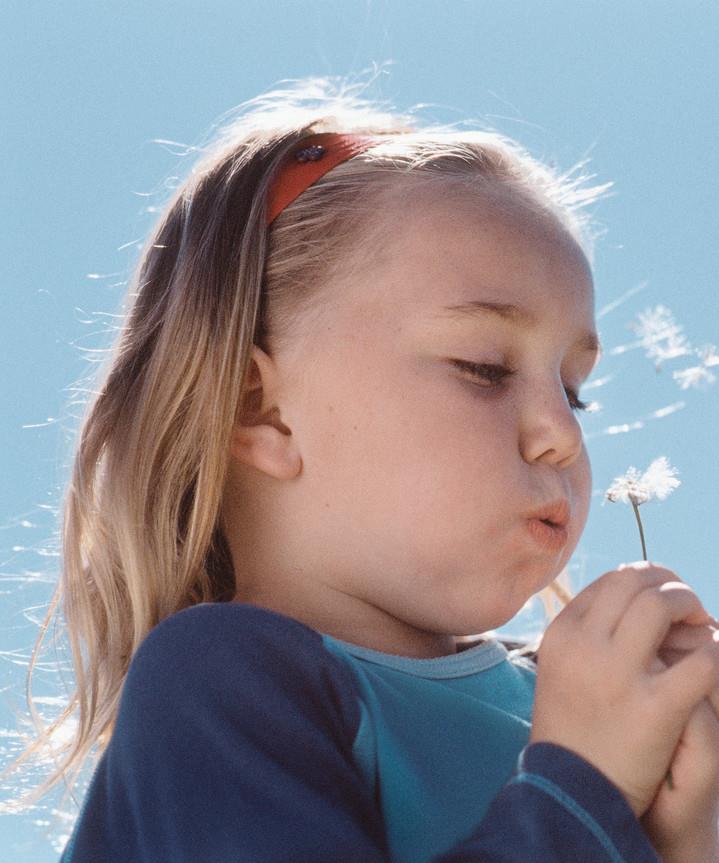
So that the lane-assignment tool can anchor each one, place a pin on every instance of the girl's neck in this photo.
(349, 619)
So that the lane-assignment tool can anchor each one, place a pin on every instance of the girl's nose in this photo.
(549, 429)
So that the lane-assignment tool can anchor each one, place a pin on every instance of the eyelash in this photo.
(496, 374)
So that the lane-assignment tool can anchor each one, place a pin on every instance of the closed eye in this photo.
(495, 374)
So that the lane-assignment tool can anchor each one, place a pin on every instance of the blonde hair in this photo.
(142, 532)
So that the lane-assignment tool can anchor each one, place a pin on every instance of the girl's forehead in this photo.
(447, 246)
(426, 219)
(453, 268)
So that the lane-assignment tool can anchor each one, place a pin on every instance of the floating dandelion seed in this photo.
(658, 480)
(695, 376)
(660, 335)
(709, 355)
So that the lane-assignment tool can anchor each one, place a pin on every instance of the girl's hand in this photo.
(683, 822)
(598, 691)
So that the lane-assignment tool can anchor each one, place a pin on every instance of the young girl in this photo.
(338, 437)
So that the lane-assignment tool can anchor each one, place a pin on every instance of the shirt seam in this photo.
(482, 657)
(575, 809)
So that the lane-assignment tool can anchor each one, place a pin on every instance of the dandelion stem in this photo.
(635, 507)
(658, 480)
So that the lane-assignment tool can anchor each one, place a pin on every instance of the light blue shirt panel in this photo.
(438, 738)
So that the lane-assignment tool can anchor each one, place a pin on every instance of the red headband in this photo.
(308, 161)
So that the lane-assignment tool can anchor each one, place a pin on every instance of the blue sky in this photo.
(89, 87)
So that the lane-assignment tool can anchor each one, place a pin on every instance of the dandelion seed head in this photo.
(626, 487)
(658, 480)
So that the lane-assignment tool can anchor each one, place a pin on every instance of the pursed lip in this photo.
(557, 513)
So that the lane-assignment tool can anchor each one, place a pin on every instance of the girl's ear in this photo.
(259, 438)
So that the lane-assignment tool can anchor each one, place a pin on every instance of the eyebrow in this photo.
(587, 342)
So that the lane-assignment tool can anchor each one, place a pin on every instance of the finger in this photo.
(620, 588)
(701, 735)
(606, 598)
(669, 656)
(686, 636)
(688, 681)
(707, 725)
(643, 573)
(704, 618)
(645, 624)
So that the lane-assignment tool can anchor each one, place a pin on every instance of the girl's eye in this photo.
(575, 402)
(495, 374)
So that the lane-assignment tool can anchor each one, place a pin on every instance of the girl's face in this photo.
(434, 409)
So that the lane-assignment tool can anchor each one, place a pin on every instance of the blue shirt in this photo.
(244, 735)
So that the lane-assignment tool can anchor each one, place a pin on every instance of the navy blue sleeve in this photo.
(557, 808)
(233, 743)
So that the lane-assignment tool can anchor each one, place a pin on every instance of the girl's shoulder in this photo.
(230, 720)
(212, 651)
(227, 638)
(235, 626)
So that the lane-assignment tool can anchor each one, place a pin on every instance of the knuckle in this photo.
(629, 578)
(652, 603)
(622, 579)
(643, 570)
(663, 574)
